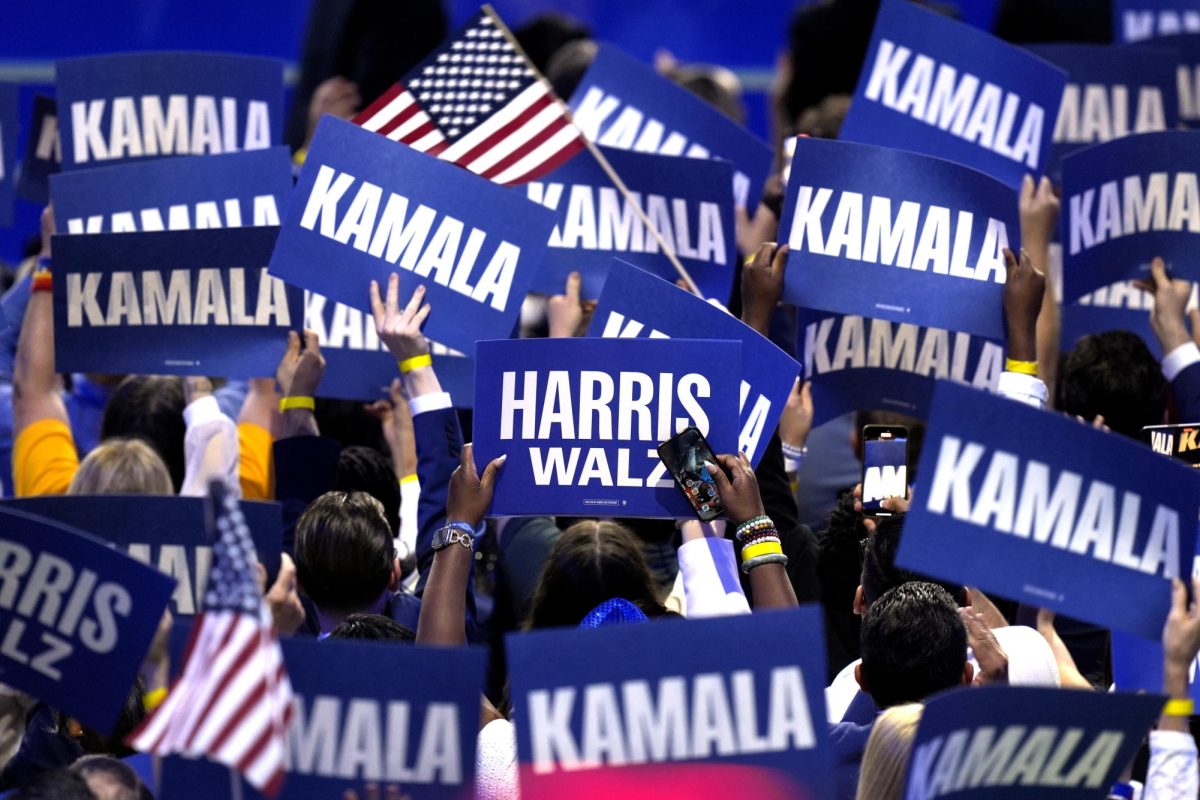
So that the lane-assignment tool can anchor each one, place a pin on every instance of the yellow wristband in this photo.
(1179, 708)
(761, 549)
(1023, 367)
(300, 156)
(416, 362)
(154, 699)
(408, 479)
(288, 403)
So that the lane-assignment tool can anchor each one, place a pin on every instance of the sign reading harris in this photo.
(1138, 20)
(623, 104)
(1040, 744)
(1124, 203)
(686, 199)
(664, 707)
(581, 420)
(857, 363)
(227, 191)
(170, 534)
(171, 302)
(1039, 508)
(118, 108)
(9, 116)
(77, 615)
(43, 151)
(366, 207)
(637, 304)
(941, 87)
(1111, 92)
(895, 235)
(407, 716)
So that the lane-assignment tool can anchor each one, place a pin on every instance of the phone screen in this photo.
(885, 470)
(684, 456)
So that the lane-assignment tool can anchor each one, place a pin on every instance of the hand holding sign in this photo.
(1038, 207)
(470, 495)
(1181, 643)
(287, 613)
(299, 372)
(762, 285)
(1170, 302)
(1024, 287)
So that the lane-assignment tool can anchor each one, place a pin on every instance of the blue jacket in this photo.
(1186, 388)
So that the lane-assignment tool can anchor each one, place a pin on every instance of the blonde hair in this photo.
(122, 466)
(885, 761)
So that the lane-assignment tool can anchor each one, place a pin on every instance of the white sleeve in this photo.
(410, 497)
(1180, 359)
(496, 762)
(1173, 773)
(430, 402)
(1027, 389)
(710, 578)
(210, 449)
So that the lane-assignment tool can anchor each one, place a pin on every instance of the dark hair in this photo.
(365, 469)
(150, 407)
(372, 628)
(116, 773)
(913, 644)
(344, 551)
(592, 561)
(1114, 374)
(879, 571)
(58, 784)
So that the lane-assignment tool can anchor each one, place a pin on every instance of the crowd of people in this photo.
(366, 489)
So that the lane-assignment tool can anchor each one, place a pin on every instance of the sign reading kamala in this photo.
(1127, 201)
(663, 697)
(581, 420)
(366, 207)
(227, 191)
(1039, 508)
(9, 116)
(170, 534)
(1138, 665)
(895, 235)
(1138, 20)
(944, 88)
(171, 302)
(119, 108)
(1187, 71)
(407, 716)
(1037, 744)
(1111, 92)
(77, 615)
(623, 104)
(43, 151)
(687, 200)
(637, 304)
(856, 363)
(1119, 306)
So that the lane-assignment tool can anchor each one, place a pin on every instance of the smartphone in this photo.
(684, 455)
(1181, 442)
(885, 466)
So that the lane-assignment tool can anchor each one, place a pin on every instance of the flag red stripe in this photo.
(252, 753)
(504, 131)
(437, 148)
(414, 136)
(251, 700)
(410, 110)
(534, 142)
(381, 101)
(222, 682)
(550, 164)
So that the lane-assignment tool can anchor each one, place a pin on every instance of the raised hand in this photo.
(796, 421)
(993, 661)
(762, 285)
(1024, 287)
(564, 312)
(470, 494)
(1038, 207)
(738, 490)
(400, 330)
(300, 371)
(1170, 304)
(287, 613)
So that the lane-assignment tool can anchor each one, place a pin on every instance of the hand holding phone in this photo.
(885, 466)
(686, 457)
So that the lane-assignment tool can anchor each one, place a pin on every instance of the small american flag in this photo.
(233, 701)
(478, 102)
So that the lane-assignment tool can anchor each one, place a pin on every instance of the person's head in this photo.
(566, 67)
(58, 784)
(913, 644)
(110, 779)
(365, 469)
(122, 466)
(717, 86)
(150, 407)
(885, 761)
(344, 552)
(880, 573)
(372, 628)
(1113, 374)
(592, 561)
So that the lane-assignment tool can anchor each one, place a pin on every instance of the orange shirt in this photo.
(44, 459)
(254, 467)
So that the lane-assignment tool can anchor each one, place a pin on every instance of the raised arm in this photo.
(36, 386)
(1180, 353)
(1038, 207)
(210, 446)
(1172, 772)
(762, 285)
(1024, 289)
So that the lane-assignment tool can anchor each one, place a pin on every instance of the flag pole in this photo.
(668, 251)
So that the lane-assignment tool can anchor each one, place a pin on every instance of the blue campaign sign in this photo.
(637, 304)
(456, 374)
(895, 235)
(227, 191)
(1138, 665)
(1187, 71)
(43, 151)
(1118, 307)
(195, 302)
(357, 365)
(686, 199)
(474, 245)
(1111, 92)
(9, 116)
(1032, 743)
(857, 363)
(78, 617)
(404, 716)
(1140, 20)
(623, 104)
(1125, 202)
(581, 419)
(944, 88)
(1039, 508)
(166, 532)
(119, 108)
(665, 707)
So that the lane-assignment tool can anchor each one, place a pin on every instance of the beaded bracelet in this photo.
(758, 561)
(766, 536)
(760, 523)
